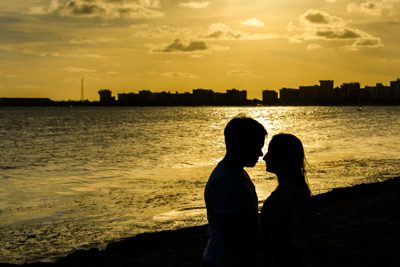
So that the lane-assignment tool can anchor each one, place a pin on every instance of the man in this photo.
(231, 199)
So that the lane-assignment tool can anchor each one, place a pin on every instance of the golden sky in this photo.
(48, 46)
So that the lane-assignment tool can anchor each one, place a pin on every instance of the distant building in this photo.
(146, 97)
(395, 90)
(380, 93)
(317, 94)
(269, 97)
(350, 92)
(105, 96)
(128, 99)
(234, 96)
(203, 96)
(326, 89)
(10, 101)
(197, 98)
(309, 94)
(183, 99)
(289, 96)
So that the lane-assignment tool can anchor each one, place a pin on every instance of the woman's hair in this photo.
(292, 151)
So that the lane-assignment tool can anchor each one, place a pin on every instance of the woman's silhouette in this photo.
(285, 220)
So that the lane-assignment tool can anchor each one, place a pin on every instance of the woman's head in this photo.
(286, 158)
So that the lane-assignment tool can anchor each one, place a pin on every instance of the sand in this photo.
(354, 226)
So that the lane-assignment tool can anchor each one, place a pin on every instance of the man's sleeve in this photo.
(226, 198)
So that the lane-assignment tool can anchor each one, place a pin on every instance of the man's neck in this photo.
(234, 161)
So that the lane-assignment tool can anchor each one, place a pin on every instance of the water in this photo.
(82, 177)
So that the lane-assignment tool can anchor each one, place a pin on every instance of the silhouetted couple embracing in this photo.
(281, 233)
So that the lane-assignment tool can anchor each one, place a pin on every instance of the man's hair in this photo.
(243, 129)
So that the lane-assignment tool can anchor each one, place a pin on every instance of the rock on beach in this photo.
(354, 226)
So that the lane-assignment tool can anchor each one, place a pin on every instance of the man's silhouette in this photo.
(231, 199)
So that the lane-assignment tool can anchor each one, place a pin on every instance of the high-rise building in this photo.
(326, 89)
(395, 89)
(269, 97)
(105, 96)
(289, 96)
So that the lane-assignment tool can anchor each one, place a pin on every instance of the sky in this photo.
(48, 46)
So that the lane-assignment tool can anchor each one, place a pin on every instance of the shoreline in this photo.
(353, 226)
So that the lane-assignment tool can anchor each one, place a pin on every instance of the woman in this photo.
(285, 220)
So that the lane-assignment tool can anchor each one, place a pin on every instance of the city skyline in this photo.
(49, 46)
(323, 94)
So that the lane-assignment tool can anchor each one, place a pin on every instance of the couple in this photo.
(237, 233)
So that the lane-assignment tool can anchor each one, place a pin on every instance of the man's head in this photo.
(244, 139)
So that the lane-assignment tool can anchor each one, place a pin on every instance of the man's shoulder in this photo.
(224, 175)
(223, 171)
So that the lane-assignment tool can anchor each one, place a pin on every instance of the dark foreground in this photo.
(356, 226)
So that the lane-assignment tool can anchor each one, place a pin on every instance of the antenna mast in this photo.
(82, 90)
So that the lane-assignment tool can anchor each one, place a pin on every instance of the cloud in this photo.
(318, 18)
(112, 9)
(314, 47)
(7, 75)
(178, 46)
(394, 60)
(78, 40)
(223, 32)
(374, 8)
(41, 10)
(253, 22)
(70, 80)
(239, 73)
(112, 73)
(195, 4)
(365, 43)
(319, 25)
(173, 74)
(28, 86)
(75, 69)
(147, 31)
(338, 34)
(196, 47)
(290, 27)
(74, 54)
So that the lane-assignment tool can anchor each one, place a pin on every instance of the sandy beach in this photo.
(355, 226)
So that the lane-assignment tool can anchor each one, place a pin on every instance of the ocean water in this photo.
(82, 177)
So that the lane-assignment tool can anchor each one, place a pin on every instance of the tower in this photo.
(82, 90)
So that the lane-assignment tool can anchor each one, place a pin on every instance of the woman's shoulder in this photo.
(288, 186)
(291, 190)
